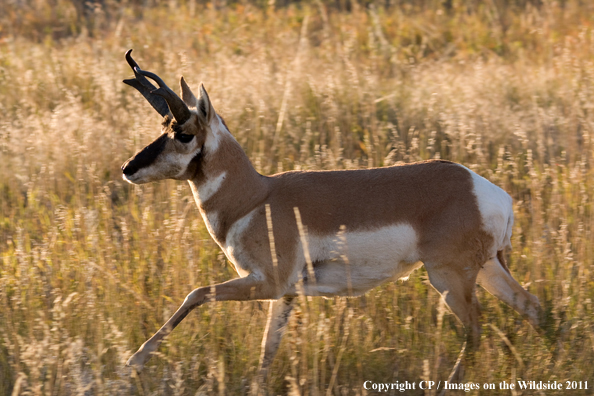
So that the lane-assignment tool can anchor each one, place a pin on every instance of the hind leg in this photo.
(499, 282)
(457, 285)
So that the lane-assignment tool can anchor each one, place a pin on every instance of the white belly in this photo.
(359, 261)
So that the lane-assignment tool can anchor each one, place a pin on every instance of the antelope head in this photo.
(178, 152)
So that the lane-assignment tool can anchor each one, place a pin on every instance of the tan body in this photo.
(385, 221)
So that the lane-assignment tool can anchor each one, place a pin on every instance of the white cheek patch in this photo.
(183, 160)
(210, 187)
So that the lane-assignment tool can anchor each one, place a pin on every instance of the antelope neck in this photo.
(227, 187)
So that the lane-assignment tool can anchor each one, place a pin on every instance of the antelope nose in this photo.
(128, 170)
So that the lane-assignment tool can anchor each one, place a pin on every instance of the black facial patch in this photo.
(146, 156)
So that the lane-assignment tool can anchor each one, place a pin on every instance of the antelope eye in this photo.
(184, 137)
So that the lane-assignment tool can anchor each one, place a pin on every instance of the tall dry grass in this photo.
(91, 266)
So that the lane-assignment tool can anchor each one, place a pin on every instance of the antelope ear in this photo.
(187, 95)
(204, 106)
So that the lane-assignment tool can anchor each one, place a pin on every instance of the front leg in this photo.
(241, 289)
(278, 316)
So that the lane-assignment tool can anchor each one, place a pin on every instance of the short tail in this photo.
(507, 238)
(502, 261)
(510, 226)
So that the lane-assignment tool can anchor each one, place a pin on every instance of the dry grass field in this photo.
(91, 266)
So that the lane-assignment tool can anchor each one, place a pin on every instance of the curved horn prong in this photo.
(178, 108)
(157, 102)
(145, 87)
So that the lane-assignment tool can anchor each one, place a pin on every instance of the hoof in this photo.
(138, 360)
(256, 388)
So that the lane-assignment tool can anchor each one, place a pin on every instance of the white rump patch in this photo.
(496, 210)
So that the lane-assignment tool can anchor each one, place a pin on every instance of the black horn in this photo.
(178, 108)
(144, 86)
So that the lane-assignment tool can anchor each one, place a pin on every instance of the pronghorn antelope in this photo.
(393, 219)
